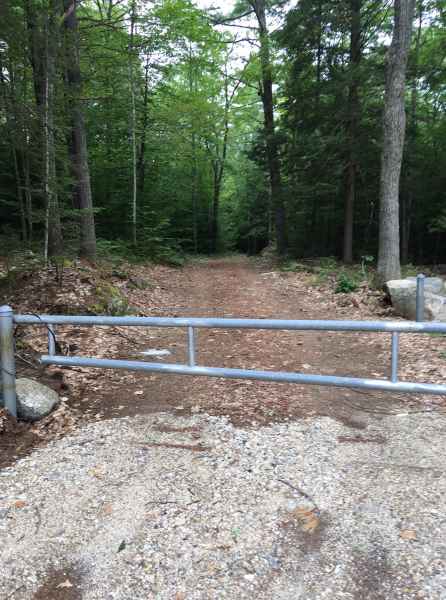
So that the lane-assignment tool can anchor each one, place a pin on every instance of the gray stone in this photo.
(435, 285)
(403, 296)
(34, 400)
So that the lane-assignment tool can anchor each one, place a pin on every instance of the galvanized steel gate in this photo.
(8, 319)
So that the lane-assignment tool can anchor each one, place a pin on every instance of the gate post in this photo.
(7, 360)
(420, 298)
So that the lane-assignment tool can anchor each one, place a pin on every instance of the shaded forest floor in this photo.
(224, 287)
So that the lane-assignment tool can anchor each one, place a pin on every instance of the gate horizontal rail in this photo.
(211, 323)
(227, 373)
(50, 322)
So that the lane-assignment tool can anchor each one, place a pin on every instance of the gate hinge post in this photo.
(7, 359)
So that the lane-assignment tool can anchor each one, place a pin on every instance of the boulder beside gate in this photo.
(403, 294)
(34, 400)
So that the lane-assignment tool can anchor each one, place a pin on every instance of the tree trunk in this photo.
(407, 199)
(28, 195)
(352, 127)
(53, 227)
(141, 163)
(82, 198)
(43, 41)
(194, 192)
(194, 169)
(219, 165)
(393, 142)
(133, 120)
(406, 209)
(213, 217)
(270, 134)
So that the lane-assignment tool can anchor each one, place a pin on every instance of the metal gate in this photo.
(393, 328)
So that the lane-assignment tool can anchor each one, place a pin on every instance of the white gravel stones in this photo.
(158, 507)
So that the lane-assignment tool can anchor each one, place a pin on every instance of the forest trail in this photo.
(237, 287)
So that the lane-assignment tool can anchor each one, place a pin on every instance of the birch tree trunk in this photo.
(393, 142)
(82, 198)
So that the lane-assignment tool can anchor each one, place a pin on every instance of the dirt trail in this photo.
(237, 287)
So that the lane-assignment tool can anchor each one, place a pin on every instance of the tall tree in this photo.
(408, 194)
(218, 149)
(353, 121)
(133, 17)
(394, 129)
(258, 9)
(82, 198)
(44, 41)
(272, 150)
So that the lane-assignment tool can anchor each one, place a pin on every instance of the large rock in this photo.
(403, 293)
(34, 400)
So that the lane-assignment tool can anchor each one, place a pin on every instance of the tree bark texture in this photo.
(141, 162)
(394, 123)
(82, 198)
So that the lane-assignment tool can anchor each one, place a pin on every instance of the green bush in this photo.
(149, 248)
(328, 263)
(345, 284)
(325, 270)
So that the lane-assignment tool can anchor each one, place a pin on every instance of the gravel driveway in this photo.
(161, 507)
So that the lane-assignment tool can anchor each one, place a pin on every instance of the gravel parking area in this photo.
(162, 507)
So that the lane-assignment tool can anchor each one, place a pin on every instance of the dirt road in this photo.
(238, 287)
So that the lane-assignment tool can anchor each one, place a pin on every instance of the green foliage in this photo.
(345, 285)
(328, 264)
(18, 261)
(366, 262)
(292, 266)
(156, 249)
(110, 248)
(171, 258)
(184, 72)
(325, 270)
